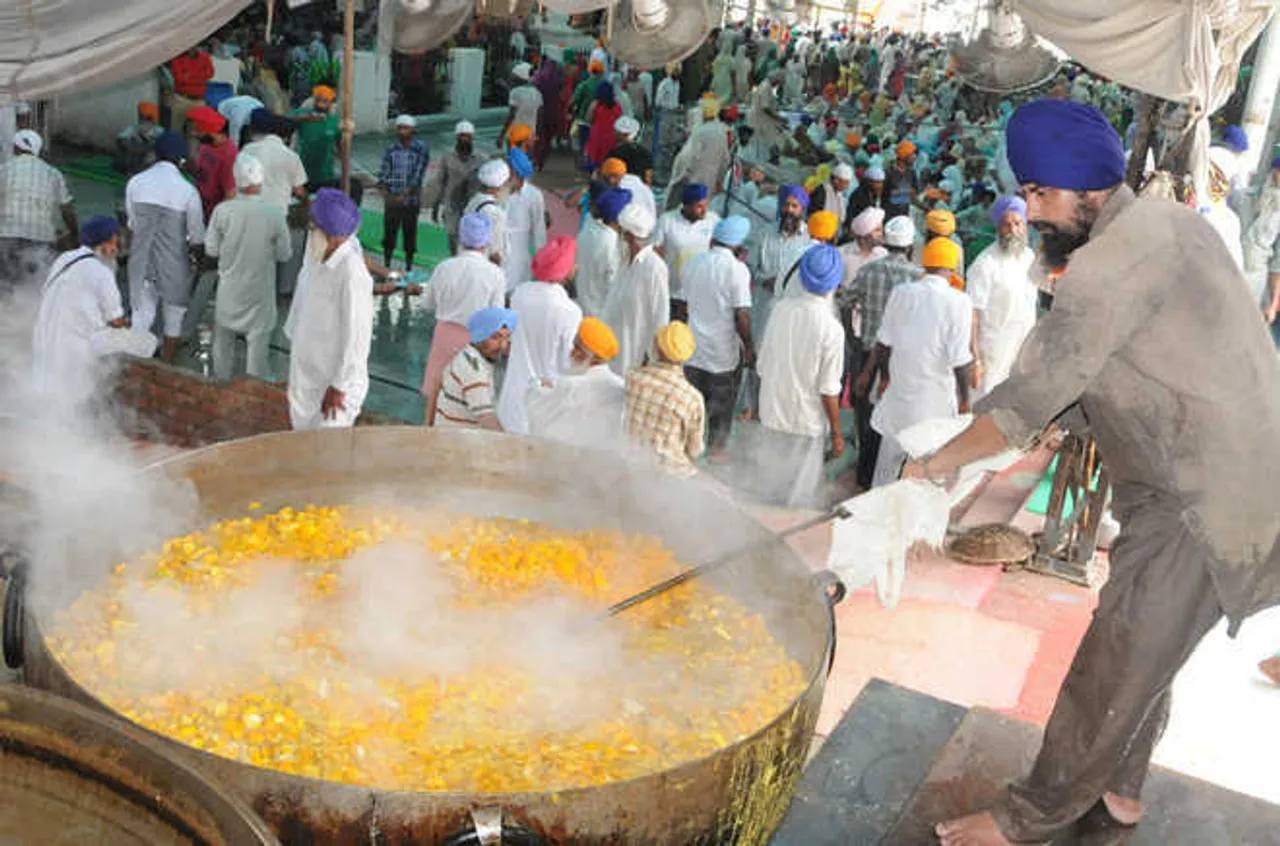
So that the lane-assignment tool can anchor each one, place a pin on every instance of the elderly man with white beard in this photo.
(585, 406)
(81, 317)
(1004, 297)
(331, 321)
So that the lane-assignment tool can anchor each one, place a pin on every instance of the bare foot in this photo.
(1125, 811)
(746, 416)
(1271, 669)
(973, 830)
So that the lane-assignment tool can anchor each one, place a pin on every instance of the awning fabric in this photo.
(52, 47)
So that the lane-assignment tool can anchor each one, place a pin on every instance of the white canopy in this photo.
(52, 47)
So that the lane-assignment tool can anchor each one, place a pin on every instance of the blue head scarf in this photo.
(612, 202)
(788, 191)
(1064, 144)
(604, 94)
(1006, 204)
(171, 146)
(519, 163)
(732, 231)
(1235, 139)
(475, 230)
(694, 192)
(98, 230)
(821, 269)
(486, 322)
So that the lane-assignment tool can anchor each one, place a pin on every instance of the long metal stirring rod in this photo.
(837, 513)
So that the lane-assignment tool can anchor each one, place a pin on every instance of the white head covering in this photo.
(843, 171)
(899, 232)
(464, 127)
(637, 220)
(248, 171)
(628, 127)
(875, 173)
(1225, 160)
(28, 141)
(406, 120)
(522, 71)
(867, 221)
(494, 174)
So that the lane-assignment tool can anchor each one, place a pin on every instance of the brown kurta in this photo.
(1153, 334)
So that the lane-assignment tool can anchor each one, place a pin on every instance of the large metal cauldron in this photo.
(737, 795)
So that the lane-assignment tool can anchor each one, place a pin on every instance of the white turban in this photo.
(522, 71)
(494, 174)
(875, 173)
(406, 120)
(867, 221)
(28, 141)
(900, 232)
(464, 127)
(637, 220)
(843, 171)
(248, 171)
(627, 127)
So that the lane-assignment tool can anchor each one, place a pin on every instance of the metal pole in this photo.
(271, 14)
(348, 75)
(1262, 95)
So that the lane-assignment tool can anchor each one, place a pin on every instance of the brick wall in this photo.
(165, 404)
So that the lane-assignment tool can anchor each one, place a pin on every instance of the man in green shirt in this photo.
(318, 138)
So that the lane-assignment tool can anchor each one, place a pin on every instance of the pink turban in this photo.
(554, 262)
(867, 221)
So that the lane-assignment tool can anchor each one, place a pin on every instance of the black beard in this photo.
(1058, 245)
(464, 149)
(789, 224)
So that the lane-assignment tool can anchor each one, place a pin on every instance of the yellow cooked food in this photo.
(411, 650)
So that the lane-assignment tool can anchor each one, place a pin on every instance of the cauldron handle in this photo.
(487, 829)
(14, 613)
(834, 591)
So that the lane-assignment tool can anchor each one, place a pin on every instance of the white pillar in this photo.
(1262, 94)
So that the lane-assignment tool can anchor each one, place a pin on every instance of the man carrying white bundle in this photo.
(248, 236)
(639, 302)
(490, 201)
(81, 317)
(331, 320)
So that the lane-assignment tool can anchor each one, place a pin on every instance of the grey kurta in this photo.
(167, 220)
(1153, 335)
(248, 236)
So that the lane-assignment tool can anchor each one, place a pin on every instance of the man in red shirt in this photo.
(191, 73)
(214, 166)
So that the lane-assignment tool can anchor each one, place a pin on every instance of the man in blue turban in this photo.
(682, 234)
(611, 203)
(331, 320)
(1152, 336)
(600, 249)
(489, 330)
(526, 226)
(801, 367)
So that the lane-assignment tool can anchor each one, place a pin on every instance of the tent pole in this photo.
(348, 75)
(271, 14)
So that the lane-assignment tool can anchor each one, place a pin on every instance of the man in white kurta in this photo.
(1004, 297)
(641, 193)
(600, 252)
(543, 340)
(494, 176)
(585, 406)
(640, 301)
(683, 233)
(81, 318)
(331, 321)
(249, 237)
(526, 219)
(1215, 209)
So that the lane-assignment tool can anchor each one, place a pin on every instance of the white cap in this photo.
(1225, 160)
(494, 173)
(28, 141)
(637, 220)
(875, 173)
(522, 70)
(628, 127)
(899, 232)
(406, 120)
(248, 171)
(842, 171)
(464, 127)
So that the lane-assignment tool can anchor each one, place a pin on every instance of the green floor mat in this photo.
(97, 168)
(433, 241)
(1039, 501)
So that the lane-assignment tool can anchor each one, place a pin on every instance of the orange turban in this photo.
(519, 133)
(596, 66)
(325, 92)
(613, 167)
(554, 262)
(823, 225)
(853, 139)
(598, 338)
(149, 111)
(940, 222)
(905, 148)
(941, 253)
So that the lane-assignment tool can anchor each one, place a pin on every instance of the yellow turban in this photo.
(675, 341)
(325, 92)
(598, 338)
(710, 105)
(823, 225)
(940, 222)
(519, 133)
(613, 167)
(941, 253)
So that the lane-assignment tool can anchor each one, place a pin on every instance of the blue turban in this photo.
(786, 192)
(604, 93)
(98, 230)
(171, 146)
(694, 192)
(612, 202)
(335, 213)
(1235, 139)
(1064, 144)
(486, 322)
(597, 189)
(1006, 204)
(732, 231)
(475, 230)
(821, 269)
(1275, 163)
(519, 163)
(261, 120)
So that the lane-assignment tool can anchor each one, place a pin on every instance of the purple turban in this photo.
(694, 192)
(475, 230)
(335, 213)
(519, 162)
(788, 191)
(1235, 139)
(612, 202)
(1064, 144)
(1006, 204)
(821, 269)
